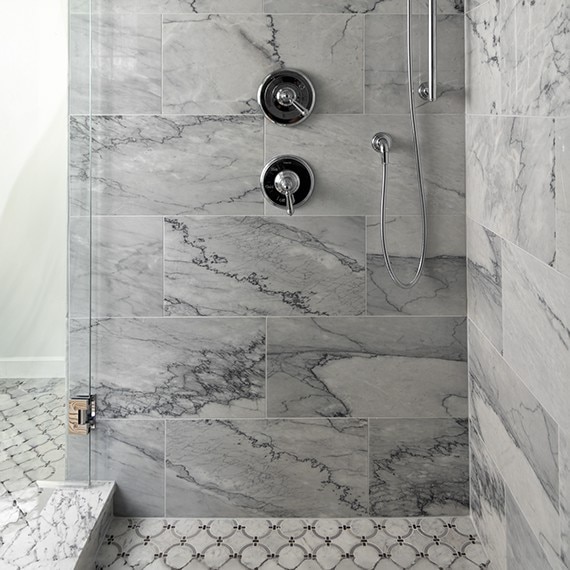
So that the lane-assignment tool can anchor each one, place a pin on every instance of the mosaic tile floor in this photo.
(32, 446)
(288, 544)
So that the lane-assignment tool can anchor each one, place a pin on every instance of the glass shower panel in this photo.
(80, 305)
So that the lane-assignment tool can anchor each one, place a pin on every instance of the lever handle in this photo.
(304, 111)
(290, 203)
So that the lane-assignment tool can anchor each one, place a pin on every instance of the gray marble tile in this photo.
(386, 88)
(125, 62)
(264, 266)
(348, 182)
(536, 324)
(126, 266)
(511, 169)
(267, 468)
(565, 496)
(177, 6)
(214, 64)
(520, 436)
(563, 196)
(488, 502)
(209, 368)
(406, 367)
(131, 453)
(536, 41)
(419, 467)
(171, 165)
(483, 62)
(358, 6)
(523, 549)
(442, 288)
(484, 282)
(79, 267)
(79, 165)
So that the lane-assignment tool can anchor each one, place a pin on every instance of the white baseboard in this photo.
(30, 367)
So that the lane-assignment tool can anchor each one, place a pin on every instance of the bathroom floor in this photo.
(311, 544)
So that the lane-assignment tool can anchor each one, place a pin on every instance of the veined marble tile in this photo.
(79, 165)
(267, 468)
(563, 195)
(358, 6)
(484, 282)
(349, 182)
(125, 61)
(209, 368)
(488, 502)
(483, 61)
(442, 288)
(536, 324)
(131, 453)
(511, 171)
(520, 435)
(79, 266)
(523, 549)
(177, 6)
(126, 266)
(406, 367)
(535, 46)
(565, 496)
(172, 165)
(419, 467)
(386, 64)
(214, 64)
(264, 266)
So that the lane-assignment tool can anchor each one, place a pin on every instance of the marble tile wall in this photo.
(517, 141)
(247, 363)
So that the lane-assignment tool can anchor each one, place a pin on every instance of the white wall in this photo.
(33, 187)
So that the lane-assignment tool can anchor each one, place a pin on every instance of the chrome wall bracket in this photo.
(81, 415)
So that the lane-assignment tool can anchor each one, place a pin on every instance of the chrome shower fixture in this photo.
(287, 182)
(428, 90)
(286, 97)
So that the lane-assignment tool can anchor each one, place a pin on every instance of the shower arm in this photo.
(428, 91)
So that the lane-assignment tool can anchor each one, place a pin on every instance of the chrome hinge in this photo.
(81, 415)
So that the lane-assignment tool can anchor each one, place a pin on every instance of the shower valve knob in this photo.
(287, 182)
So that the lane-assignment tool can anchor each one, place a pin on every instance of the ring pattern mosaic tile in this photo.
(288, 544)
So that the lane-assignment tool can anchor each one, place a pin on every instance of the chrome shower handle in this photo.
(428, 91)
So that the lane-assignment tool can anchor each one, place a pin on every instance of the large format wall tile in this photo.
(267, 468)
(484, 282)
(215, 63)
(511, 169)
(264, 266)
(180, 367)
(419, 467)
(523, 549)
(565, 496)
(176, 6)
(483, 58)
(173, 165)
(520, 435)
(386, 83)
(349, 182)
(359, 6)
(536, 323)
(131, 453)
(79, 166)
(367, 367)
(535, 45)
(125, 62)
(441, 289)
(563, 195)
(126, 266)
(488, 502)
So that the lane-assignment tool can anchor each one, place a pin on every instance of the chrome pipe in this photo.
(428, 91)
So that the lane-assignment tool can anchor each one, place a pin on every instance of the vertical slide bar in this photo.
(432, 50)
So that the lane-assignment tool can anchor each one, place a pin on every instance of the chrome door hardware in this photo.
(81, 415)
(286, 97)
(287, 182)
